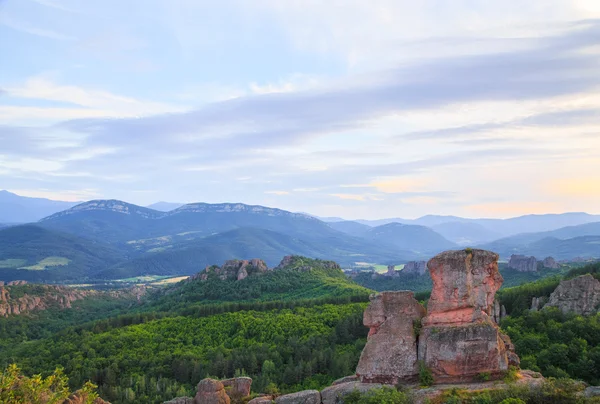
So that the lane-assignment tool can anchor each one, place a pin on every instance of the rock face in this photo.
(238, 387)
(459, 338)
(415, 268)
(211, 391)
(522, 263)
(232, 269)
(301, 397)
(42, 297)
(579, 295)
(390, 354)
(550, 263)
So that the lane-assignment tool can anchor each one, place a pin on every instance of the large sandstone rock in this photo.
(391, 271)
(301, 397)
(335, 394)
(522, 263)
(579, 295)
(238, 387)
(390, 354)
(459, 339)
(464, 286)
(211, 391)
(415, 268)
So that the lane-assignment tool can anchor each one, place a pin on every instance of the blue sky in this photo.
(337, 108)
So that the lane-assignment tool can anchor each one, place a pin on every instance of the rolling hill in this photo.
(20, 209)
(192, 256)
(32, 253)
(349, 227)
(584, 246)
(420, 240)
(465, 233)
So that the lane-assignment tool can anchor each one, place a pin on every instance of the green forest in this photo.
(291, 329)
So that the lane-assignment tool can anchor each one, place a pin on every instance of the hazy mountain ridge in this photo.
(21, 209)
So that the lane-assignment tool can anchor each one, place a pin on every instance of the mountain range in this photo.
(111, 239)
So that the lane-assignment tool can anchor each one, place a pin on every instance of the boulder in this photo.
(238, 387)
(390, 354)
(211, 391)
(459, 339)
(592, 391)
(522, 263)
(579, 295)
(415, 268)
(335, 394)
(180, 400)
(391, 271)
(261, 400)
(346, 379)
(301, 397)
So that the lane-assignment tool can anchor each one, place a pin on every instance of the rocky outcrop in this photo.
(459, 338)
(301, 397)
(299, 263)
(579, 295)
(390, 354)
(391, 271)
(522, 263)
(211, 391)
(261, 400)
(238, 387)
(415, 268)
(41, 297)
(232, 269)
(550, 263)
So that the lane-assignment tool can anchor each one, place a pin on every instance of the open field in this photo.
(48, 263)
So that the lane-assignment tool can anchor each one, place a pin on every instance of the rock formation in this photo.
(238, 387)
(42, 297)
(232, 269)
(522, 263)
(550, 263)
(301, 397)
(390, 354)
(391, 271)
(415, 268)
(459, 338)
(579, 295)
(211, 391)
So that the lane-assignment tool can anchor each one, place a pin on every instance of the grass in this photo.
(48, 262)
(12, 263)
(169, 280)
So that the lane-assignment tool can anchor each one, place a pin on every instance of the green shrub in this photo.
(384, 395)
(511, 375)
(512, 401)
(425, 375)
(484, 376)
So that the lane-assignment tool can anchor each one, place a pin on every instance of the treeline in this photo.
(307, 347)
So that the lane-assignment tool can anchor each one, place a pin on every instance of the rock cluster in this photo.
(579, 295)
(47, 296)
(211, 391)
(232, 269)
(522, 263)
(415, 268)
(458, 338)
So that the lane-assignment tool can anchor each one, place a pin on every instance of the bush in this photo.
(384, 395)
(484, 376)
(512, 401)
(425, 375)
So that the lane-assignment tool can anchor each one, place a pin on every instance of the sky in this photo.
(355, 109)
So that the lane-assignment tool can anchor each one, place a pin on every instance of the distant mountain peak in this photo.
(201, 207)
(109, 205)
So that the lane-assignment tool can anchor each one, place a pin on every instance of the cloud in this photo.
(280, 193)
(27, 28)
